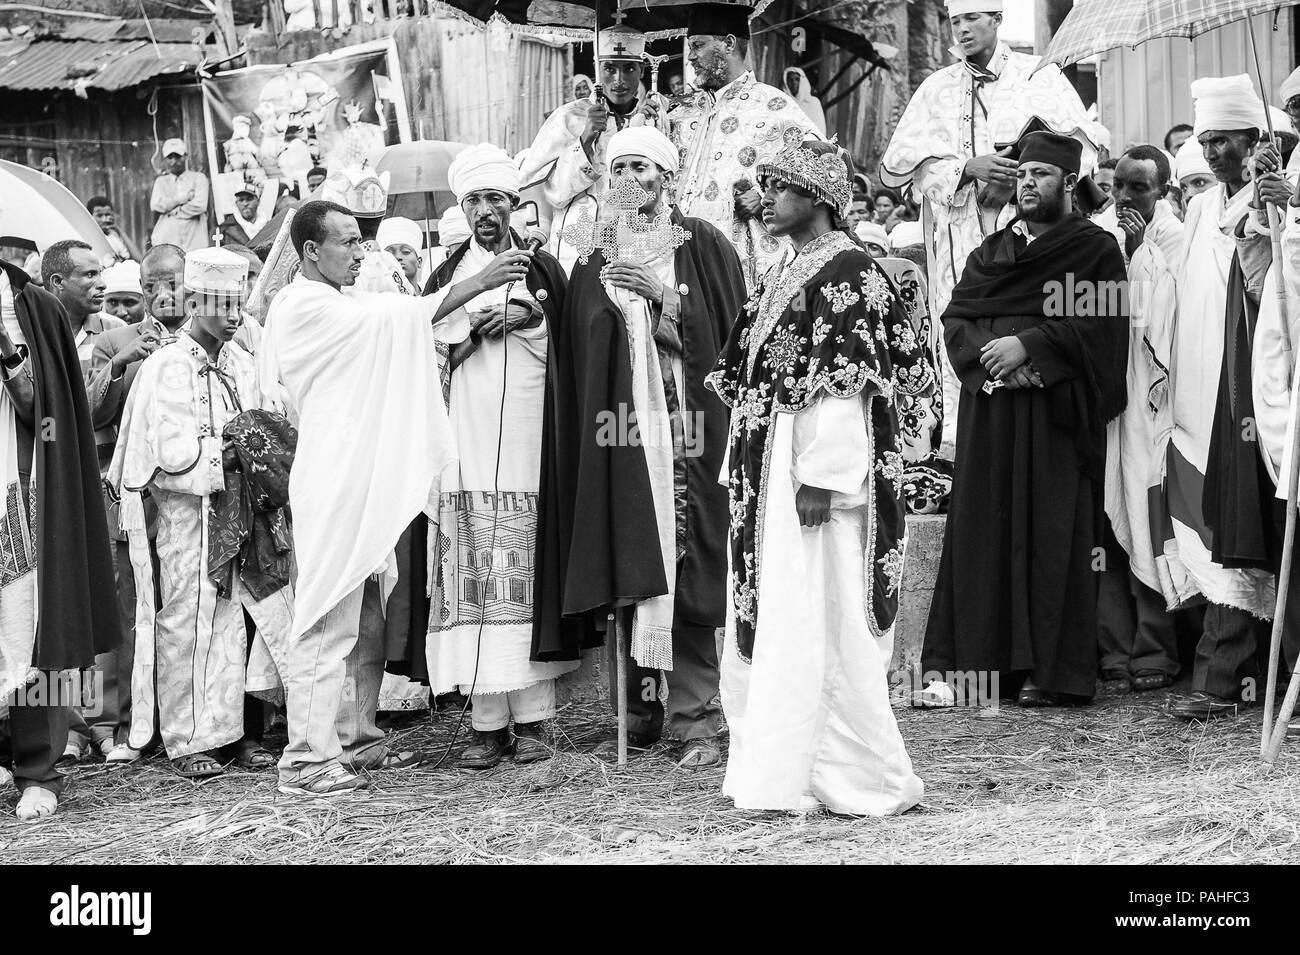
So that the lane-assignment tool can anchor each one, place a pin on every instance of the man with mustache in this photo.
(191, 657)
(566, 161)
(1218, 490)
(727, 129)
(949, 149)
(1136, 633)
(1040, 349)
(484, 606)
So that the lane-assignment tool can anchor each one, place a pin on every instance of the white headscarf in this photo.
(1190, 161)
(482, 167)
(804, 97)
(1226, 102)
(644, 141)
(399, 231)
(453, 228)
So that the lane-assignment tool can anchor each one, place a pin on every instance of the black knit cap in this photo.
(719, 19)
(1064, 152)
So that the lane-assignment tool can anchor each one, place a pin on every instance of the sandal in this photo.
(700, 754)
(196, 766)
(253, 757)
(1151, 680)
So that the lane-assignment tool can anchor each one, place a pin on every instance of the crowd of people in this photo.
(689, 422)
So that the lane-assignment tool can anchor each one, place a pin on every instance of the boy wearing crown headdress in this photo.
(817, 533)
(638, 521)
(191, 656)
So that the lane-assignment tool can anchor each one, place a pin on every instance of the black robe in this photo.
(77, 613)
(598, 541)
(1017, 585)
(407, 613)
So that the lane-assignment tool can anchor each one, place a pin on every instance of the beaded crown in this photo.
(825, 175)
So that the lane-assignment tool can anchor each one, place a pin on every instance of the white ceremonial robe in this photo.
(1133, 466)
(942, 129)
(481, 625)
(722, 138)
(1197, 363)
(358, 375)
(1272, 370)
(191, 655)
(810, 717)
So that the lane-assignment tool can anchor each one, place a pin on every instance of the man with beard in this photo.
(817, 529)
(567, 160)
(950, 151)
(484, 611)
(733, 123)
(634, 518)
(1039, 343)
(1136, 633)
(1214, 473)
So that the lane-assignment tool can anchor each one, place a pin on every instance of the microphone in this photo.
(536, 239)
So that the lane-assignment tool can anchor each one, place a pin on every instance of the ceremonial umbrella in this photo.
(1095, 26)
(418, 187)
(35, 207)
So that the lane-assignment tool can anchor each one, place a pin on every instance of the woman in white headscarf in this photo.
(797, 85)
(581, 86)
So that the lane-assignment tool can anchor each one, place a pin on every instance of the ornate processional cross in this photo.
(623, 232)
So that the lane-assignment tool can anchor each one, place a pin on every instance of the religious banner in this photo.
(278, 121)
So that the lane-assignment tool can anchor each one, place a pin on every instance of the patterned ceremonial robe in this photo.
(956, 114)
(810, 372)
(722, 137)
(191, 656)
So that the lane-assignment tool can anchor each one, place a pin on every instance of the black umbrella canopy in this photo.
(649, 16)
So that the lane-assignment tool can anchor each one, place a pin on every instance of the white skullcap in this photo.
(399, 231)
(957, 8)
(906, 234)
(872, 232)
(1290, 86)
(482, 167)
(1226, 102)
(122, 278)
(215, 270)
(1190, 161)
(453, 227)
(175, 147)
(644, 141)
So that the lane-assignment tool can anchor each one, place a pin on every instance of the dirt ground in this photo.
(1117, 781)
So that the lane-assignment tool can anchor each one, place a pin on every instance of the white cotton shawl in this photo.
(359, 375)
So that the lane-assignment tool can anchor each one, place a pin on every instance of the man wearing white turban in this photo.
(484, 606)
(639, 524)
(1213, 469)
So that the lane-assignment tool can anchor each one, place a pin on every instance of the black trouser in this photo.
(1134, 631)
(692, 711)
(32, 738)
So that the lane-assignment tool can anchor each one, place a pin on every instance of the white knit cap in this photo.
(957, 8)
(872, 232)
(644, 141)
(399, 231)
(906, 234)
(482, 167)
(122, 278)
(1190, 161)
(215, 270)
(1226, 102)
(453, 228)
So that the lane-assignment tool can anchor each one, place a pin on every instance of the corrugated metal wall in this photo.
(1145, 91)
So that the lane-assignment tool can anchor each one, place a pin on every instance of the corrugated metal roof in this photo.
(45, 64)
(164, 31)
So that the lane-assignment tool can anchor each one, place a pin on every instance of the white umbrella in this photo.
(40, 209)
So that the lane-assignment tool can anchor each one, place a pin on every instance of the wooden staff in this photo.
(622, 615)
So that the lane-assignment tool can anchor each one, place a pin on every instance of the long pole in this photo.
(621, 615)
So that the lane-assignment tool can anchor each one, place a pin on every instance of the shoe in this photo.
(1146, 680)
(530, 743)
(36, 803)
(1203, 706)
(71, 754)
(936, 695)
(123, 753)
(105, 746)
(1116, 681)
(335, 781)
(486, 750)
(700, 754)
(1032, 696)
(636, 743)
(454, 700)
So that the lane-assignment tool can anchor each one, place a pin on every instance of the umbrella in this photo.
(35, 207)
(418, 186)
(1095, 26)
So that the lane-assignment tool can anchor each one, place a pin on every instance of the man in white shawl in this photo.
(1228, 117)
(1134, 630)
(192, 663)
(481, 622)
(358, 374)
(951, 148)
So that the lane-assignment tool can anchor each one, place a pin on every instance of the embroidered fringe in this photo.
(652, 647)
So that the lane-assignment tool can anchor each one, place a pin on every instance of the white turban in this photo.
(1190, 161)
(453, 228)
(482, 167)
(958, 7)
(399, 231)
(906, 234)
(644, 141)
(1226, 102)
(873, 233)
(1290, 86)
(1281, 122)
(122, 278)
